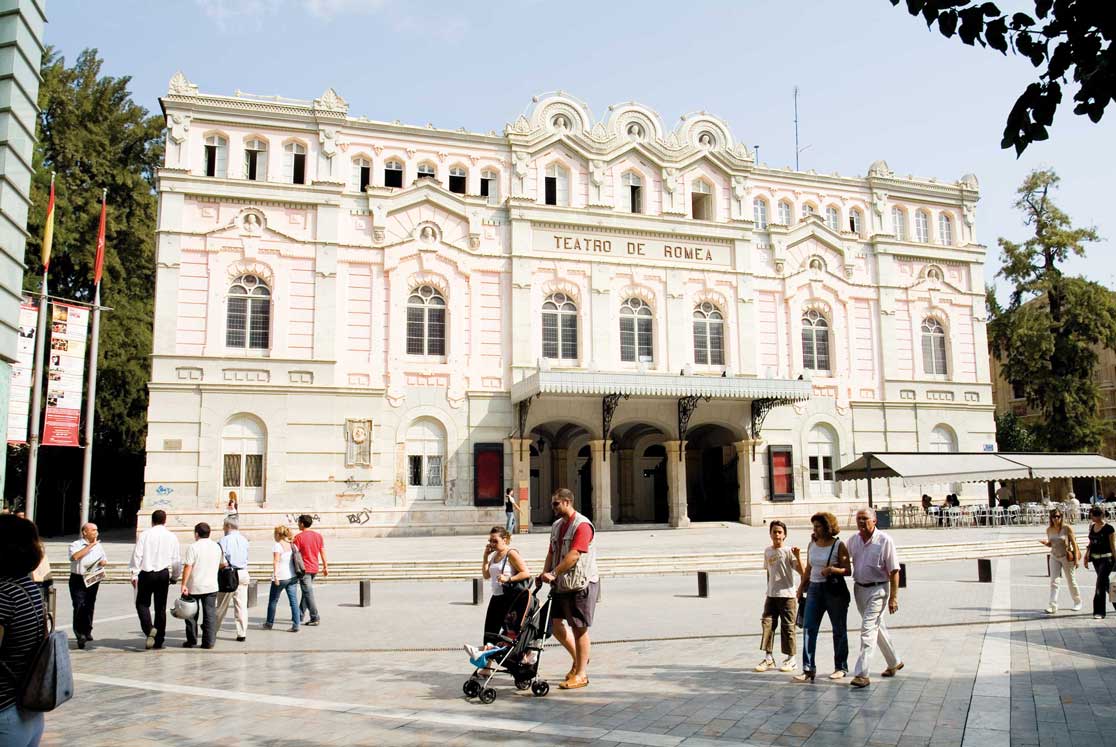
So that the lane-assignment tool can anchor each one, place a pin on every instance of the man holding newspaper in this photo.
(87, 562)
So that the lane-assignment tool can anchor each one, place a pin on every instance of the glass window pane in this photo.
(808, 359)
(434, 471)
(646, 349)
(569, 336)
(550, 335)
(231, 471)
(701, 347)
(414, 471)
(821, 345)
(259, 324)
(436, 332)
(236, 321)
(716, 344)
(814, 468)
(627, 339)
(253, 470)
(416, 331)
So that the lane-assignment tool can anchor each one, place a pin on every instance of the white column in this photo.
(676, 483)
(602, 483)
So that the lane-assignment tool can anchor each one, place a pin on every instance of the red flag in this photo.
(48, 228)
(99, 262)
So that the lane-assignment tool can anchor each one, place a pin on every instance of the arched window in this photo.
(855, 221)
(945, 230)
(426, 322)
(294, 163)
(248, 314)
(701, 200)
(255, 160)
(922, 226)
(943, 440)
(784, 213)
(899, 223)
(833, 218)
(556, 185)
(808, 209)
(216, 156)
(559, 327)
(426, 171)
(393, 174)
(759, 213)
(243, 447)
(631, 193)
(635, 332)
(709, 335)
(490, 186)
(815, 341)
(934, 347)
(362, 174)
(822, 460)
(426, 460)
(457, 180)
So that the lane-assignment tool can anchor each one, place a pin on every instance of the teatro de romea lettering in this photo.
(386, 325)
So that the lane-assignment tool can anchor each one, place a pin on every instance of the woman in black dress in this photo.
(1102, 554)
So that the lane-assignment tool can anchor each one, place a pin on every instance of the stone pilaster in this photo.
(521, 481)
(744, 478)
(602, 483)
(676, 483)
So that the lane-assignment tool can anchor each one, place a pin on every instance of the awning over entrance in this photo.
(916, 468)
(657, 385)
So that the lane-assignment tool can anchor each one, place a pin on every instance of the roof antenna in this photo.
(797, 150)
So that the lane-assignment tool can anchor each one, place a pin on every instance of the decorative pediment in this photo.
(249, 223)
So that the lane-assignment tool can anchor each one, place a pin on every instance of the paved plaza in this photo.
(984, 666)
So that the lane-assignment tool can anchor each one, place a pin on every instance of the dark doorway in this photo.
(659, 484)
(1084, 488)
(585, 483)
(713, 492)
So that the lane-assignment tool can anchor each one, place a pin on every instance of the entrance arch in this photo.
(560, 458)
(712, 486)
(639, 479)
(426, 460)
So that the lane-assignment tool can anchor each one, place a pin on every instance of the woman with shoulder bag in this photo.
(1101, 552)
(1063, 559)
(827, 593)
(504, 568)
(21, 621)
(283, 579)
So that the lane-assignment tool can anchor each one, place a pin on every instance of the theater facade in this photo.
(386, 325)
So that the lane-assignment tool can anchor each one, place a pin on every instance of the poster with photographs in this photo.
(65, 370)
(20, 402)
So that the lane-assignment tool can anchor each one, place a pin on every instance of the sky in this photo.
(873, 82)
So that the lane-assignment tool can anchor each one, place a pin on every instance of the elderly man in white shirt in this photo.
(199, 582)
(234, 545)
(156, 561)
(876, 585)
(87, 557)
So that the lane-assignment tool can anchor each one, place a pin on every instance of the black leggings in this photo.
(1103, 567)
(494, 618)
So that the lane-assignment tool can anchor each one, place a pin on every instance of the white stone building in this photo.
(386, 324)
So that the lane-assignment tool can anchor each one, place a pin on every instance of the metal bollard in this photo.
(366, 593)
(902, 575)
(478, 590)
(703, 584)
(984, 570)
(253, 593)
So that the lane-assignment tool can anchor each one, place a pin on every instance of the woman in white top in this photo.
(826, 557)
(1063, 559)
(501, 565)
(282, 579)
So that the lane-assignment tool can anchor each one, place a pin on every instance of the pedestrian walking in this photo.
(823, 584)
(1101, 552)
(234, 549)
(501, 565)
(87, 562)
(510, 522)
(875, 587)
(312, 546)
(22, 627)
(199, 582)
(780, 606)
(1062, 560)
(232, 508)
(283, 579)
(156, 563)
(571, 569)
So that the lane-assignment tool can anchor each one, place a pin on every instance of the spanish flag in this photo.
(48, 227)
(99, 262)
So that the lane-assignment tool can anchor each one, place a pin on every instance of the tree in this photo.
(93, 137)
(1012, 434)
(1067, 35)
(1047, 336)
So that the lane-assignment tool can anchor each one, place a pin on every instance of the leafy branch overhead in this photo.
(1063, 36)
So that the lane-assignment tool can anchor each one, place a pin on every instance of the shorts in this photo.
(576, 607)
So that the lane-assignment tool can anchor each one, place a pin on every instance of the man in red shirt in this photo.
(571, 569)
(312, 546)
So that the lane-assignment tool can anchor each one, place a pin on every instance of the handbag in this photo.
(296, 561)
(836, 588)
(49, 680)
(512, 587)
(228, 578)
(800, 617)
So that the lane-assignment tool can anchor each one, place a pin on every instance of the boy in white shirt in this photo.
(780, 607)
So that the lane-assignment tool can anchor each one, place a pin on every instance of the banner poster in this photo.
(69, 327)
(19, 404)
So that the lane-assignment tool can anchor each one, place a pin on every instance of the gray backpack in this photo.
(49, 681)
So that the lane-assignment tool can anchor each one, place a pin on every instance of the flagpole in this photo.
(91, 394)
(37, 374)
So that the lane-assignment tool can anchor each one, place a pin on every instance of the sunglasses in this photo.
(556, 504)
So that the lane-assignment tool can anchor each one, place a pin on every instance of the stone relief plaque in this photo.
(358, 443)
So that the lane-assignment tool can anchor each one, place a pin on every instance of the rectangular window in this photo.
(551, 190)
(416, 332)
(434, 471)
(414, 469)
(237, 322)
(716, 346)
(702, 206)
(259, 326)
(436, 332)
(393, 178)
(636, 199)
(253, 470)
(488, 474)
(569, 337)
(211, 160)
(486, 187)
(457, 184)
(627, 340)
(252, 164)
(646, 347)
(822, 352)
(299, 171)
(701, 346)
(365, 177)
(231, 471)
(550, 335)
(780, 473)
(1017, 390)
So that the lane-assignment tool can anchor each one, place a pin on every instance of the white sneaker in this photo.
(1076, 607)
(838, 675)
(789, 665)
(472, 651)
(764, 665)
(1052, 609)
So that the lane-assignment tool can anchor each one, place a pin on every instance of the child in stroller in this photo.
(515, 651)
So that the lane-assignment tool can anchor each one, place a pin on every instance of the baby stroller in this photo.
(518, 649)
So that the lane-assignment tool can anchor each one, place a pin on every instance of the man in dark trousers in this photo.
(87, 557)
(156, 561)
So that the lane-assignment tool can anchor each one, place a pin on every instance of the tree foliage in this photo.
(1064, 36)
(1012, 434)
(1047, 336)
(93, 136)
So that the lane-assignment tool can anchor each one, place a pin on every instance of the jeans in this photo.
(511, 522)
(1058, 568)
(308, 603)
(1103, 567)
(207, 610)
(20, 728)
(779, 612)
(871, 601)
(153, 584)
(84, 600)
(273, 593)
(817, 605)
(239, 598)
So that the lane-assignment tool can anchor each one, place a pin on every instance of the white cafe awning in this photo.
(915, 468)
(657, 385)
(1051, 466)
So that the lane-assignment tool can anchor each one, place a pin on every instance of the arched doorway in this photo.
(712, 488)
(639, 482)
(654, 470)
(243, 446)
(584, 490)
(426, 460)
(559, 459)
